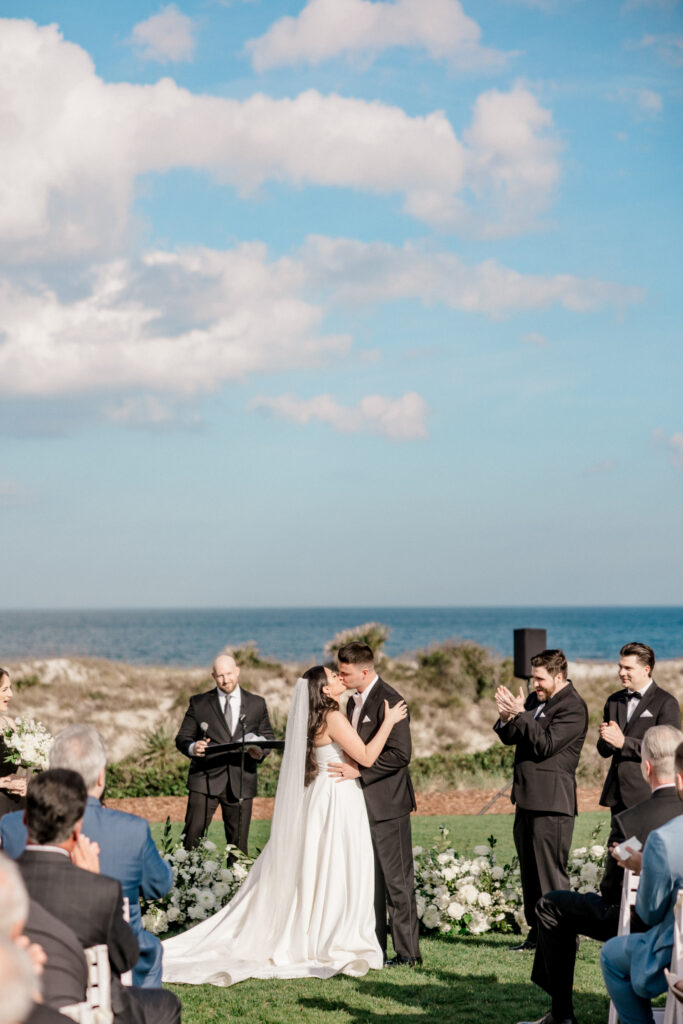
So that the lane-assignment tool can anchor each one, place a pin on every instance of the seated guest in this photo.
(633, 966)
(60, 868)
(127, 850)
(64, 972)
(564, 915)
(18, 985)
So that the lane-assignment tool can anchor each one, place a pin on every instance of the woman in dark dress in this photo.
(12, 788)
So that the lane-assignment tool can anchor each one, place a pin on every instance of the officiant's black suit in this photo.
(625, 785)
(564, 915)
(213, 781)
(390, 798)
(544, 789)
(92, 906)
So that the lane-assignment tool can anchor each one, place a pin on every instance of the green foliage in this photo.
(158, 769)
(456, 770)
(247, 656)
(374, 634)
(457, 672)
(25, 682)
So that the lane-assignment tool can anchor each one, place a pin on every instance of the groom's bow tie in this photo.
(357, 698)
(634, 695)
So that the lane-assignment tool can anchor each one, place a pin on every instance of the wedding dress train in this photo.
(306, 907)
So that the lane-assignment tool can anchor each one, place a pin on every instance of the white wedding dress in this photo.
(306, 907)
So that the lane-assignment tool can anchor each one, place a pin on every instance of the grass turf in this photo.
(463, 980)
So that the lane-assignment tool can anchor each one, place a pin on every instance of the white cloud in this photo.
(667, 46)
(180, 323)
(73, 147)
(643, 103)
(165, 37)
(673, 445)
(326, 29)
(399, 419)
(184, 323)
(533, 338)
(378, 272)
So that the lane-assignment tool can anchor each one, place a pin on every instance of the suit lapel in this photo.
(220, 724)
(370, 710)
(622, 708)
(641, 705)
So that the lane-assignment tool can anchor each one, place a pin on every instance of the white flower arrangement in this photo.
(201, 886)
(27, 744)
(469, 896)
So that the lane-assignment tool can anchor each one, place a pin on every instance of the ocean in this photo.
(194, 636)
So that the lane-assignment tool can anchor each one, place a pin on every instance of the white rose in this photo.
(180, 855)
(172, 913)
(497, 873)
(442, 901)
(431, 917)
(420, 904)
(597, 851)
(483, 850)
(456, 910)
(580, 852)
(478, 924)
(448, 874)
(226, 875)
(484, 899)
(590, 873)
(209, 846)
(468, 892)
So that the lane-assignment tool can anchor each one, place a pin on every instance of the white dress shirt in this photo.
(359, 704)
(235, 699)
(633, 703)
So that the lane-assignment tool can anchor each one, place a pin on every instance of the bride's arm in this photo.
(340, 729)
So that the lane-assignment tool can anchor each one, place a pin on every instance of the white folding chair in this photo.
(97, 1006)
(127, 978)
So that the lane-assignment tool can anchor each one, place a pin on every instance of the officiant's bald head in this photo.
(226, 673)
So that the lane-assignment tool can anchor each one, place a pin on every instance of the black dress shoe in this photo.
(404, 961)
(523, 946)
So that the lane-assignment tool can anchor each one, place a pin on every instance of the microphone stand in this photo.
(241, 797)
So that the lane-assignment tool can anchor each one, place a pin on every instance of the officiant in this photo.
(224, 714)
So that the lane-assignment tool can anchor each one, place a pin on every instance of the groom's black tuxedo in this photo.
(390, 798)
(625, 785)
(218, 781)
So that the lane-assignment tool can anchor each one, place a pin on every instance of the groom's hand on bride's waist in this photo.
(340, 771)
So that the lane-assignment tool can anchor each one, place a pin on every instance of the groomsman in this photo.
(389, 798)
(627, 716)
(548, 730)
(226, 712)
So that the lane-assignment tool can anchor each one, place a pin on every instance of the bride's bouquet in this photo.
(201, 886)
(27, 744)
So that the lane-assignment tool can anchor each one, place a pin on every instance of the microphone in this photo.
(204, 726)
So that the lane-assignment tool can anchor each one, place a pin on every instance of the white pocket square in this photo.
(542, 714)
(647, 714)
(366, 719)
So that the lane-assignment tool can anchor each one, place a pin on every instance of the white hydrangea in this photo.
(484, 899)
(497, 873)
(468, 892)
(590, 873)
(431, 917)
(417, 851)
(597, 851)
(456, 910)
(483, 850)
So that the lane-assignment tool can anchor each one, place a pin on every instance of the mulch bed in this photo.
(453, 801)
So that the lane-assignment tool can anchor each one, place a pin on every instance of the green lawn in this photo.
(474, 980)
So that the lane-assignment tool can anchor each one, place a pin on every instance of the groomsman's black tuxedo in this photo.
(544, 789)
(625, 785)
(213, 781)
(562, 916)
(390, 798)
(92, 906)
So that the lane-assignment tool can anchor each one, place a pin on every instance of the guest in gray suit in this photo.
(227, 711)
(633, 965)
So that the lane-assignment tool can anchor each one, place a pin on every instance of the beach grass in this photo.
(470, 980)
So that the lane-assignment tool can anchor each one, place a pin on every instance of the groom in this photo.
(389, 798)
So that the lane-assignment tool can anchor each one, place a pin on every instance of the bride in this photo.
(306, 907)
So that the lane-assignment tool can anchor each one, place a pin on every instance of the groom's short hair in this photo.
(356, 653)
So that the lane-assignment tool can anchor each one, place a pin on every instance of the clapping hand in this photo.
(612, 734)
(507, 704)
(86, 854)
(397, 713)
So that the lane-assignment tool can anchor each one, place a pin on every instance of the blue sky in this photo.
(341, 302)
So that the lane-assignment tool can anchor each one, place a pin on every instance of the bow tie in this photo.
(357, 698)
(634, 695)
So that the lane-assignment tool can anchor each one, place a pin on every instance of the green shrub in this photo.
(457, 672)
(455, 770)
(25, 682)
(374, 634)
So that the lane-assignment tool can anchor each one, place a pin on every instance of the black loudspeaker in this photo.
(528, 642)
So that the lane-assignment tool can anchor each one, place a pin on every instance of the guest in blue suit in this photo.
(127, 851)
(633, 965)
